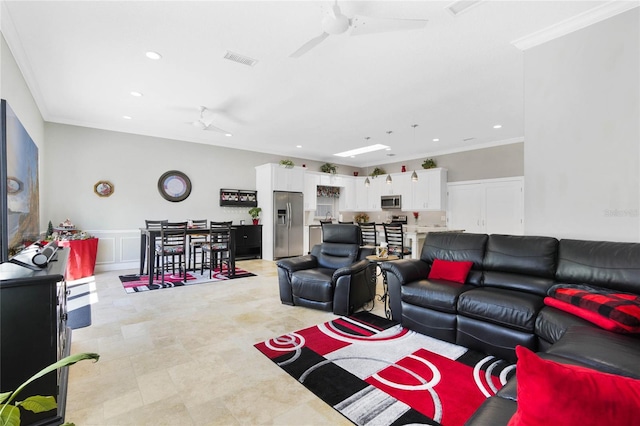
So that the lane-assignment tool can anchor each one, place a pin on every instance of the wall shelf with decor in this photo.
(238, 198)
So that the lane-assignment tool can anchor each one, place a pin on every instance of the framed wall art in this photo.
(19, 191)
(174, 186)
(103, 188)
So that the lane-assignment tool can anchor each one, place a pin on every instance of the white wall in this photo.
(582, 133)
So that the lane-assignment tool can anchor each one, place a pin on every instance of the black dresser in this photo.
(34, 333)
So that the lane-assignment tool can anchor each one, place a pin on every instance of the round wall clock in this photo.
(174, 186)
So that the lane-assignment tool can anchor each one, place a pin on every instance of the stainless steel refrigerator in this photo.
(288, 213)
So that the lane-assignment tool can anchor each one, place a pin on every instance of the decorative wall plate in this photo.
(103, 188)
(174, 186)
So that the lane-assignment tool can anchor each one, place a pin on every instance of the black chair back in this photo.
(394, 236)
(369, 234)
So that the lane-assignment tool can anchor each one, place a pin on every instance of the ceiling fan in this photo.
(205, 124)
(336, 23)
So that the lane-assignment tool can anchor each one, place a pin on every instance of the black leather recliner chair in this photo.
(336, 276)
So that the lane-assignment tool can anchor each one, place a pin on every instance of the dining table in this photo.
(147, 251)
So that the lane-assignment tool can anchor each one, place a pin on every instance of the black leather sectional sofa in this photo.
(501, 304)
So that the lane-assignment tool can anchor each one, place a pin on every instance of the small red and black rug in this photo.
(135, 283)
(373, 371)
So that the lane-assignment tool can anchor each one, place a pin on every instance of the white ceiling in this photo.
(456, 78)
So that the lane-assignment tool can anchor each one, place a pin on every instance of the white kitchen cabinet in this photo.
(368, 198)
(287, 179)
(492, 206)
(311, 182)
(330, 179)
(347, 201)
(429, 192)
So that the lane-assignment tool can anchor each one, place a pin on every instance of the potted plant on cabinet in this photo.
(254, 212)
(429, 163)
(287, 164)
(377, 172)
(329, 168)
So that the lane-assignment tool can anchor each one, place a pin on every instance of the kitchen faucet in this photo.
(327, 216)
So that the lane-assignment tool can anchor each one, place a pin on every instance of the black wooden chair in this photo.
(368, 233)
(219, 249)
(196, 241)
(153, 225)
(173, 236)
(394, 236)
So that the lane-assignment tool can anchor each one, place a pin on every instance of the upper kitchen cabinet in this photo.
(311, 182)
(367, 198)
(429, 192)
(347, 201)
(287, 179)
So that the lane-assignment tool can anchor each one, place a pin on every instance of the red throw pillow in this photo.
(550, 393)
(450, 270)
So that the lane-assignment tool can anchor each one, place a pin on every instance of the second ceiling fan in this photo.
(336, 23)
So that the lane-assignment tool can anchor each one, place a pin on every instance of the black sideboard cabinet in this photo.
(248, 241)
(34, 333)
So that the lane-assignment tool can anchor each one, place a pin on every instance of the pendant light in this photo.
(389, 180)
(414, 175)
(367, 182)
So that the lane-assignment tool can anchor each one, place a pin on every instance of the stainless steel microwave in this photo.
(391, 202)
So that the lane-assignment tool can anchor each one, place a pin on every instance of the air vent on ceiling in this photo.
(460, 6)
(235, 57)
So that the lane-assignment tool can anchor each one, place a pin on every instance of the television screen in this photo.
(20, 195)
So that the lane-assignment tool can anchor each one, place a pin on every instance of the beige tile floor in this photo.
(185, 356)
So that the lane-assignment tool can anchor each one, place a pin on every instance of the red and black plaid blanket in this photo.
(620, 310)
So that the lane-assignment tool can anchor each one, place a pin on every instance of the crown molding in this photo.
(575, 23)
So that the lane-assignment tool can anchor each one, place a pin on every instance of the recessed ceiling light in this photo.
(388, 149)
(136, 94)
(362, 150)
(153, 55)
(298, 146)
(436, 140)
(228, 135)
(497, 126)
(126, 117)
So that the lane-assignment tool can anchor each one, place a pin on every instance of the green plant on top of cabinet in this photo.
(329, 168)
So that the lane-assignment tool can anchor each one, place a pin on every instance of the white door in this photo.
(465, 207)
(504, 208)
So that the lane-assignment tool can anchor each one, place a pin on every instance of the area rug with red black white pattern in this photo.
(374, 371)
(135, 283)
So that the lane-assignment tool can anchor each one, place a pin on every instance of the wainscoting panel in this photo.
(117, 249)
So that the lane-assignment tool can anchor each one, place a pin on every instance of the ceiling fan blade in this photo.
(309, 45)
(368, 25)
(216, 129)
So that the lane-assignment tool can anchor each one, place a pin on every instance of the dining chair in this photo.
(348, 222)
(195, 241)
(173, 237)
(394, 236)
(153, 225)
(368, 234)
(220, 249)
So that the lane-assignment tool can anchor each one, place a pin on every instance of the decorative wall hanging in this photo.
(174, 186)
(328, 191)
(19, 185)
(103, 188)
